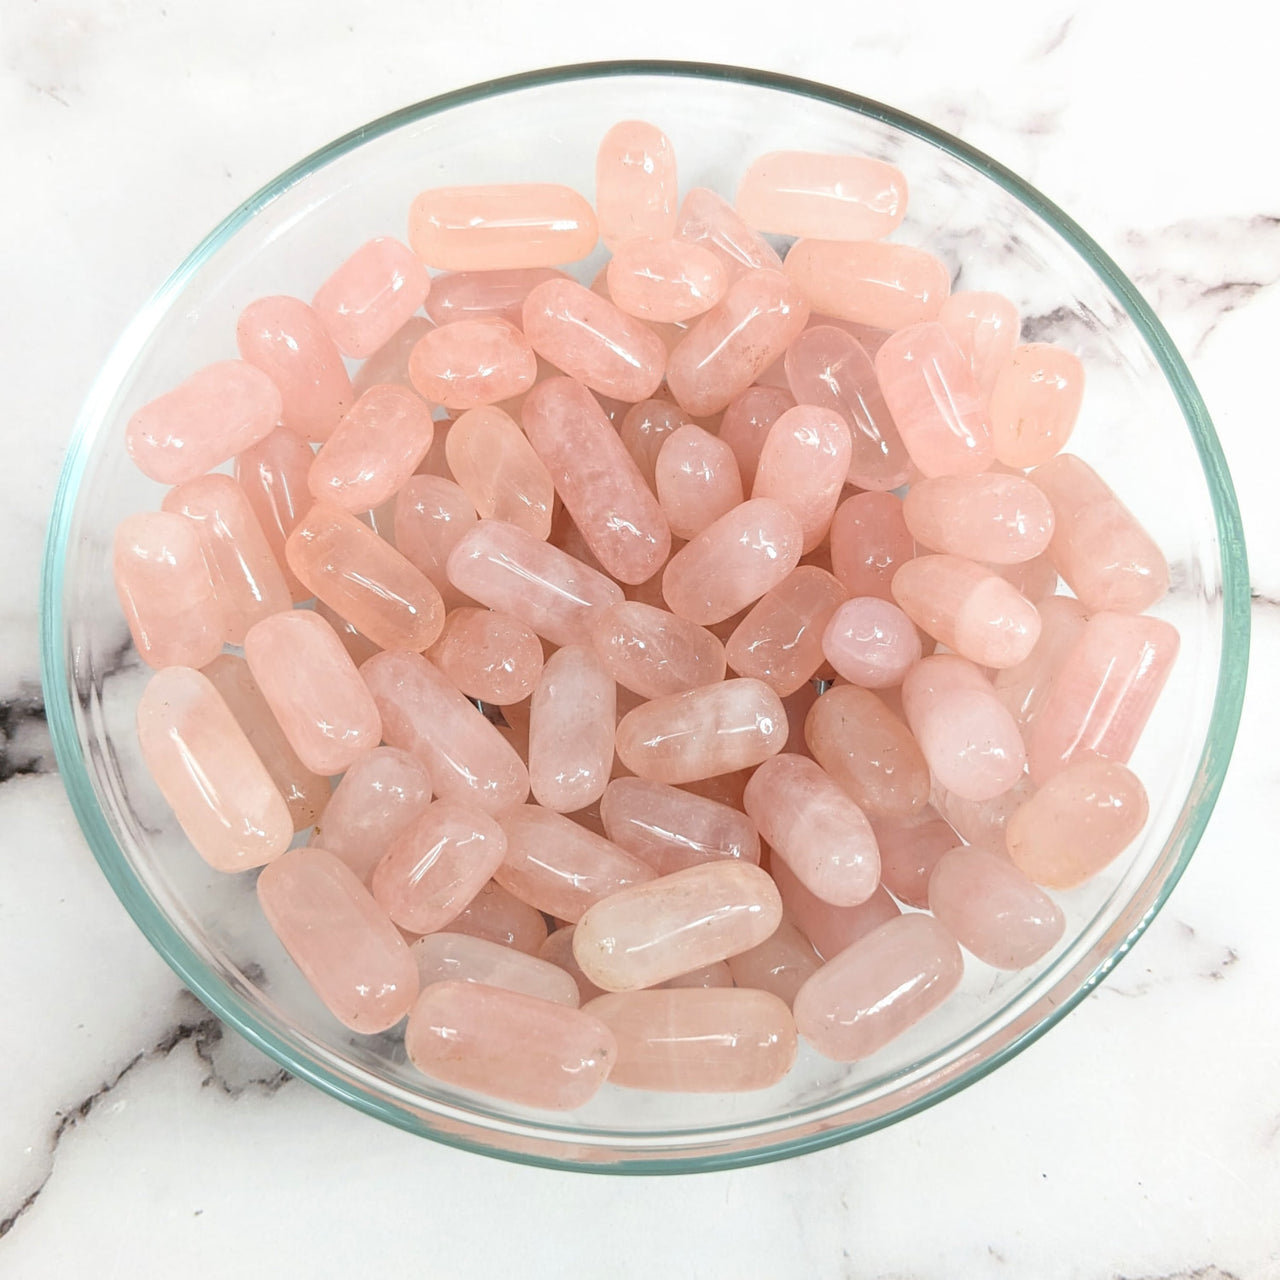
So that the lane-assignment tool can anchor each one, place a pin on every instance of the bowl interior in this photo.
(1142, 426)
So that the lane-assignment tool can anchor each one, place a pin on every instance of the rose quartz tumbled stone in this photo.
(655, 653)
(885, 286)
(781, 964)
(644, 430)
(746, 424)
(472, 362)
(635, 183)
(369, 297)
(716, 976)
(909, 850)
(1036, 578)
(829, 928)
(869, 540)
(999, 519)
(499, 471)
(390, 363)
(1024, 688)
(273, 474)
(358, 645)
(667, 281)
(431, 516)
(284, 338)
(558, 950)
(985, 327)
(1035, 400)
(982, 822)
(707, 219)
(871, 642)
(488, 655)
(697, 480)
(501, 917)
(500, 227)
(460, 957)
(217, 412)
(483, 295)
(803, 463)
(571, 724)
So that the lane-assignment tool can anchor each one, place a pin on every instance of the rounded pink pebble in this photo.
(284, 338)
(483, 295)
(885, 286)
(780, 965)
(746, 423)
(829, 928)
(813, 826)
(871, 642)
(165, 590)
(647, 933)
(460, 957)
(996, 518)
(1024, 688)
(558, 950)
(219, 411)
(436, 865)
(671, 829)
(559, 867)
(501, 917)
(697, 480)
(709, 220)
(909, 850)
(390, 363)
(644, 430)
(876, 989)
(351, 954)
(499, 471)
(382, 792)
(709, 977)
(571, 724)
(716, 729)
(500, 227)
(373, 450)
(371, 295)
(654, 653)
(665, 280)
(273, 474)
(635, 183)
(985, 327)
(744, 333)
(968, 608)
(869, 541)
(1035, 400)
(431, 517)
(472, 362)
(698, 1041)
(488, 655)
(992, 909)
(803, 464)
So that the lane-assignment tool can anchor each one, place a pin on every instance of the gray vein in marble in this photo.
(1197, 1273)
(25, 747)
(1208, 960)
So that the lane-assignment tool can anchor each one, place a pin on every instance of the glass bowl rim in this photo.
(230, 1007)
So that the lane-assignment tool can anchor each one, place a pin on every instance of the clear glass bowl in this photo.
(1143, 426)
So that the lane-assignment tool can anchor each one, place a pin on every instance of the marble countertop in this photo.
(137, 1138)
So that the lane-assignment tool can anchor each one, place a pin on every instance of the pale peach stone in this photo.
(365, 579)
(868, 995)
(501, 917)
(273, 474)
(694, 1041)
(460, 957)
(644, 430)
(488, 655)
(803, 463)
(219, 411)
(472, 362)
(247, 582)
(655, 653)
(635, 183)
(284, 338)
(1035, 400)
(670, 829)
(358, 645)
(985, 327)
(205, 767)
(467, 758)
(432, 515)
(647, 933)
(390, 363)
(375, 291)
(1024, 688)
(667, 282)
(571, 724)
(829, 928)
(996, 518)
(558, 950)
(869, 540)
(499, 471)
(485, 295)
(885, 286)
(500, 227)
(781, 964)
(871, 642)
(707, 219)
(909, 850)
(746, 423)
(697, 480)
(559, 867)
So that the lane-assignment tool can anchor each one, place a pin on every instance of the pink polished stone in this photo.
(968, 608)
(499, 471)
(358, 645)
(733, 561)
(273, 474)
(697, 480)
(284, 338)
(1035, 401)
(432, 515)
(558, 950)
(829, 928)
(967, 735)
(374, 449)
(247, 582)
(571, 723)
(594, 474)
(982, 822)
(488, 655)
(1103, 693)
(707, 219)
(559, 867)
(813, 826)
(484, 295)
(871, 642)
(460, 957)
(780, 640)
(165, 590)
(885, 286)
(985, 327)
(472, 362)
(305, 792)
(469, 761)
(803, 463)
(993, 910)
(513, 1046)
(1024, 688)
(635, 183)
(1037, 579)
(710, 977)
(716, 729)
(508, 569)
(828, 367)
(390, 363)
(208, 772)
(869, 541)
(655, 653)
(698, 1041)
(644, 430)
(501, 917)
(868, 751)
(1103, 554)
(219, 411)
(909, 850)
(351, 954)
(591, 340)
(780, 965)
(501, 227)
(724, 788)
(648, 933)
(744, 333)
(996, 518)
(667, 281)
(377, 798)
(371, 295)
(934, 398)
(437, 865)
(365, 579)
(746, 424)
(671, 829)
(873, 991)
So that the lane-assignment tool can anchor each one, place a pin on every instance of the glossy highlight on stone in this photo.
(571, 723)
(746, 423)
(483, 295)
(871, 642)
(697, 480)
(803, 463)
(869, 540)
(998, 519)
(708, 220)
(273, 474)
(431, 516)
(644, 430)
(1034, 401)
(499, 471)
(635, 183)
(488, 655)
(470, 363)
(665, 281)
(375, 291)
(461, 957)
(874, 283)
(655, 653)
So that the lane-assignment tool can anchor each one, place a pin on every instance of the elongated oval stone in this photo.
(746, 423)
(558, 950)
(885, 286)
(871, 642)
(499, 471)
(644, 430)
(999, 519)
(369, 297)
(707, 219)
(830, 928)
(635, 183)
(571, 723)
(655, 653)
(460, 957)
(909, 851)
(1023, 689)
(716, 976)
(484, 295)
(431, 516)
(696, 478)
(667, 281)
(869, 540)
(489, 655)
(470, 363)
(501, 917)
(985, 327)
(1035, 400)
(273, 474)
(780, 965)
(803, 464)
(982, 822)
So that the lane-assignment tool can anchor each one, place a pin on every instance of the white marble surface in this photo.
(1141, 1138)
